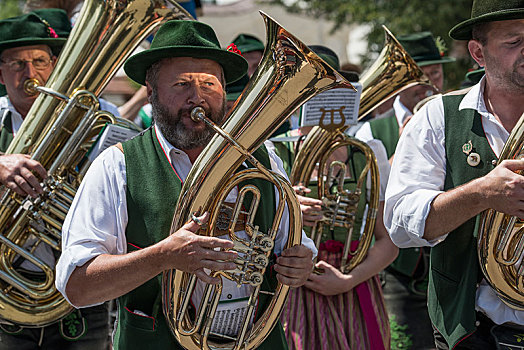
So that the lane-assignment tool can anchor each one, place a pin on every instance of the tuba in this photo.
(501, 238)
(287, 76)
(58, 132)
(393, 72)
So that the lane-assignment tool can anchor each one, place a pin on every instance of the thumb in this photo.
(324, 265)
(513, 164)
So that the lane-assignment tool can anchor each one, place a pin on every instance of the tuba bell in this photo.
(57, 132)
(501, 238)
(392, 72)
(287, 76)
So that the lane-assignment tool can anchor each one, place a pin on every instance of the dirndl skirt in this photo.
(354, 320)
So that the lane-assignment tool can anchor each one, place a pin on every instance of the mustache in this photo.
(186, 112)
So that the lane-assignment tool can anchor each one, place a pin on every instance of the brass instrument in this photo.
(501, 238)
(393, 72)
(57, 132)
(287, 76)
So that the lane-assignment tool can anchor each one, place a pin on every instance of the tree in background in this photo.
(401, 17)
(10, 8)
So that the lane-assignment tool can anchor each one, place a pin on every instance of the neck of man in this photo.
(506, 106)
(193, 153)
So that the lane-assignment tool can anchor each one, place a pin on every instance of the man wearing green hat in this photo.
(116, 238)
(28, 48)
(445, 173)
(251, 48)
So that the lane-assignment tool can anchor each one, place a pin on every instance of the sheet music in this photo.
(111, 135)
(331, 104)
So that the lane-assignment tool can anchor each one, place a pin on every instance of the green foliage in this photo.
(400, 16)
(400, 340)
(10, 8)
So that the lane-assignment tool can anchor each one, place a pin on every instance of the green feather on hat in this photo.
(424, 49)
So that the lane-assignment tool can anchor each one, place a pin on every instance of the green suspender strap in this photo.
(454, 267)
(6, 129)
(153, 188)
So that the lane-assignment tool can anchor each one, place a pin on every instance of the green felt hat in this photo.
(179, 38)
(484, 11)
(234, 89)
(56, 19)
(247, 43)
(327, 55)
(475, 75)
(423, 48)
(33, 29)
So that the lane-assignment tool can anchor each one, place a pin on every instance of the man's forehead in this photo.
(188, 65)
(26, 50)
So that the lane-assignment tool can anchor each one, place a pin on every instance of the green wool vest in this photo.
(6, 130)
(386, 130)
(454, 266)
(152, 192)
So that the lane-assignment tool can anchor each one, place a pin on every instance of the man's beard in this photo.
(176, 132)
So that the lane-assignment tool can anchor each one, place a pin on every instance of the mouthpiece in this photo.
(30, 86)
(198, 114)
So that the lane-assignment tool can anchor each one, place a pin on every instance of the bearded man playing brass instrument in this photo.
(445, 172)
(29, 45)
(116, 238)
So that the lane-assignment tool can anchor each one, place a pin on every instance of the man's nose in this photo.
(195, 96)
(30, 70)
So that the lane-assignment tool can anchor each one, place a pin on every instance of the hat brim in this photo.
(51, 42)
(234, 65)
(440, 61)
(462, 31)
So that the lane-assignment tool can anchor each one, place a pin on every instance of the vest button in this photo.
(477, 323)
(494, 162)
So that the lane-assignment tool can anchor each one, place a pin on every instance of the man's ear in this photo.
(1, 77)
(476, 50)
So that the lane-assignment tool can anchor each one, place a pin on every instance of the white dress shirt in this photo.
(97, 220)
(417, 177)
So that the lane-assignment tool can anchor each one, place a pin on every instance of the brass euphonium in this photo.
(287, 76)
(57, 132)
(501, 238)
(393, 72)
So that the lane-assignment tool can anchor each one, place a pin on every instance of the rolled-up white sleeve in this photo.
(96, 221)
(417, 177)
(280, 242)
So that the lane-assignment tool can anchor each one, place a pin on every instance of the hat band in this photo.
(426, 58)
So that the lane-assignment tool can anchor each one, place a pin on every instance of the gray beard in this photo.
(175, 132)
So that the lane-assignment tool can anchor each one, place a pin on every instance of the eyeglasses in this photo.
(39, 63)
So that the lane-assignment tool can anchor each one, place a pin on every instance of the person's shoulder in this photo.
(109, 107)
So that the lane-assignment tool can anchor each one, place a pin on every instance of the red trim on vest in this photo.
(132, 245)
(168, 159)
(134, 313)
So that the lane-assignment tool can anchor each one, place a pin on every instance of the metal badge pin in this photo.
(467, 147)
(473, 159)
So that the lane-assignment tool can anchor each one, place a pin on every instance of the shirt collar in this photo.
(16, 118)
(170, 150)
(474, 99)
(401, 111)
